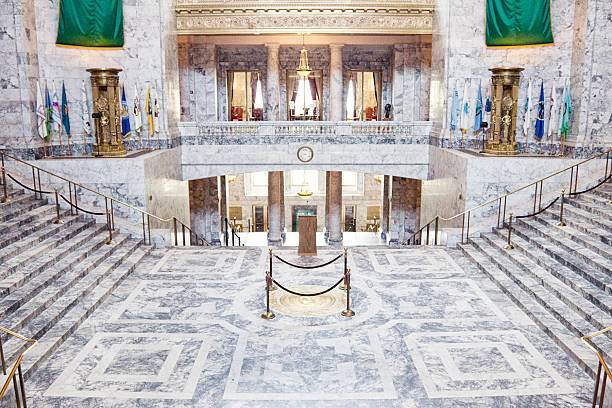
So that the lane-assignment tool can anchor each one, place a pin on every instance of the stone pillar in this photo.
(272, 100)
(335, 209)
(274, 208)
(384, 222)
(222, 202)
(203, 60)
(405, 212)
(204, 208)
(326, 234)
(282, 204)
(336, 97)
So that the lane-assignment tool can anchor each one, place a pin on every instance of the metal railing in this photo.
(502, 202)
(602, 363)
(230, 231)
(109, 202)
(15, 371)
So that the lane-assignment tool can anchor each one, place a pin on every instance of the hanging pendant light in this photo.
(305, 194)
(303, 69)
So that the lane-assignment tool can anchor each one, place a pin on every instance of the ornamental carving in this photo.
(198, 17)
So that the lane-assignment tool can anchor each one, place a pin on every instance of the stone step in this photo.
(583, 216)
(59, 232)
(31, 217)
(95, 249)
(35, 260)
(603, 191)
(584, 298)
(590, 240)
(20, 207)
(43, 311)
(57, 334)
(23, 231)
(553, 258)
(597, 233)
(557, 245)
(596, 199)
(560, 334)
(591, 207)
(16, 200)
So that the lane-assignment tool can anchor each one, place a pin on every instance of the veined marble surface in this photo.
(185, 331)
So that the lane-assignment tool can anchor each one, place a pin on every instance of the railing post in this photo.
(427, 235)
(462, 226)
(175, 233)
(110, 231)
(436, 234)
(561, 223)
(57, 209)
(34, 181)
(467, 235)
(603, 391)
(148, 227)
(183, 225)
(23, 397)
(268, 314)
(348, 312)
(271, 287)
(70, 195)
(344, 285)
(144, 234)
(233, 239)
(6, 198)
(226, 233)
(509, 244)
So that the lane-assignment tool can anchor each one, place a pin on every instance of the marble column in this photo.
(204, 208)
(384, 222)
(336, 98)
(335, 209)
(274, 208)
(222, 202)
(405, 211)
(282, 204)
(203, 59)
(272, 101)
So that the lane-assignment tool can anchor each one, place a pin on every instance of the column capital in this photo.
(273, 46)
(336, 46)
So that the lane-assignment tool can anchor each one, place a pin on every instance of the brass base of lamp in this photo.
(268, 315)
(347, 313)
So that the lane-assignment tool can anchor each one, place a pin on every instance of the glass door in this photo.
(260, 218)
(349, 218)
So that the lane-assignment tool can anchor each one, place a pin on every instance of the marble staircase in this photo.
(52, 276)
(561, 277)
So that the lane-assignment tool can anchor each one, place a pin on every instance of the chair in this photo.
(369, 113)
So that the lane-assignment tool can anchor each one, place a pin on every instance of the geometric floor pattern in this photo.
(184, 330)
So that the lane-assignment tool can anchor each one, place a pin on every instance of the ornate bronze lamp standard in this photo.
(505, 86)
(106, 112)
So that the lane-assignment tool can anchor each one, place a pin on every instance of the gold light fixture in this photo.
(303, 69)
(305, 194)
(231, 178)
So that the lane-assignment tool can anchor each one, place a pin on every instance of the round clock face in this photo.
(305, 154)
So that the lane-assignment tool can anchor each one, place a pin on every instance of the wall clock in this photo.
(305, 154)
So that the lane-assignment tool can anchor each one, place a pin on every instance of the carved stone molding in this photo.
(360, 17)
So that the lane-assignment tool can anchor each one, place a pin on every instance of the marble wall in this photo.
(459, 52)
(204, 209)
(411, 81)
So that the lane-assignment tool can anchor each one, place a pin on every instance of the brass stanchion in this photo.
(6, 198)
(57, 209)
(561, 223)
(509, 244)
(110, 231)
(348, 312)
(268, 314)
(344, 285)
(272, 287)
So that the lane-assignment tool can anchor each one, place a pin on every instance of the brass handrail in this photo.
(505, 197)
(602, 363)
(112, 199)
(16, 367)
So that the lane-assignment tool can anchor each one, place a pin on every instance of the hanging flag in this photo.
(65, 116)
(511, 23)
(137, 115)
(455, 109)
(527, 117)
(478, 113)
(155, 111)
(41, 116)
(487, 108)
(149, 110)
(567, 111)
(553, 112)
(85, 111)
(539, 129)
(56, 112)
(90, 23)
(125, 117)
(48, 112)
(466, 108)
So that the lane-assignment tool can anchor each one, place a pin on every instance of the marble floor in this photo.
(292, 239)
(184, 330)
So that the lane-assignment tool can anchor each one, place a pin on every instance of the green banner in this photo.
(90, 23)
(512, 23)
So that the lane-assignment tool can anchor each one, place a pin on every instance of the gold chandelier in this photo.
(305, 194)
(303, 69)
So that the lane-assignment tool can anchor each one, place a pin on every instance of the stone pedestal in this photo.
(334, 220)
(272, 101)
(405, 211)
(274, 208)
(204, 208)
(336, 93)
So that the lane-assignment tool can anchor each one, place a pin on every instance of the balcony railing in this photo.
(329, 132)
